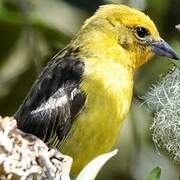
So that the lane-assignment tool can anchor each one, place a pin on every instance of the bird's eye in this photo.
(141, 32)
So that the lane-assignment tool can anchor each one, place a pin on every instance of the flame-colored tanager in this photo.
(82, 96)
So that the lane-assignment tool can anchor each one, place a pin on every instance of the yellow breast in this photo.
(97, 126)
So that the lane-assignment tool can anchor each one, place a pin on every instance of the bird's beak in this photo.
(162, 48)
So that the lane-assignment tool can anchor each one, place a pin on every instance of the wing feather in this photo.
(54, 100)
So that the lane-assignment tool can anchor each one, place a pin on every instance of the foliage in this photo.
(155, 174)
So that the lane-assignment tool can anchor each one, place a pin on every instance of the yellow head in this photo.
(123, 34)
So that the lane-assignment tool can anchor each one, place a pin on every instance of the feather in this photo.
(54, 99)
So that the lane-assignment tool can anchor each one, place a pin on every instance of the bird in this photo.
(81, 98)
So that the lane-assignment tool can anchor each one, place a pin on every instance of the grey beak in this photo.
(162, 48)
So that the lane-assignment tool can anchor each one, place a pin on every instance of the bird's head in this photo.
(125, 34)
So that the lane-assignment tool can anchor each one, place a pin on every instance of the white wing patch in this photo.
(51, 104)
(74, 93)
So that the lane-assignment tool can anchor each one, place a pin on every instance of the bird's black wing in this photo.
(54, 100)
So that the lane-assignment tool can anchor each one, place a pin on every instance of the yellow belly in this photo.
(97, 126)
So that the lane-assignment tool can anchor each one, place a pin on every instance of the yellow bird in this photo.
(80, 99)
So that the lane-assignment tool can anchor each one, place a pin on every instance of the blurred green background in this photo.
(32, 31)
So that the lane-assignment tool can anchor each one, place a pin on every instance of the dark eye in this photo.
(141, 32)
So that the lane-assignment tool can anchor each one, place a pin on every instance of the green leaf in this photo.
(155, 174)
(92, 169)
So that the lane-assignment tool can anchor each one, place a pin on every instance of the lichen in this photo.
(24, 156)
(163, 100)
